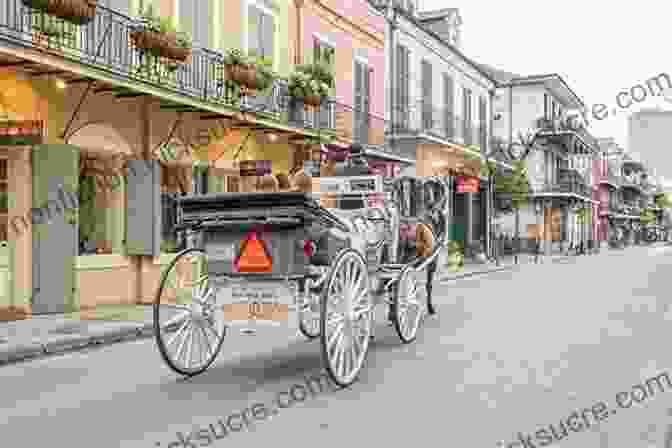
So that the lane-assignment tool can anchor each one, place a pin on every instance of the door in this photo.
(55, 236)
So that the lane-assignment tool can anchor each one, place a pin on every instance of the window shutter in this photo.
(253, 32)
(143, 202)
(426, 94)
(358, 100)
(267, 35)
(448, 105)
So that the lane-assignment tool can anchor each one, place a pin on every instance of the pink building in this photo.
(349, 36)
(601, 193)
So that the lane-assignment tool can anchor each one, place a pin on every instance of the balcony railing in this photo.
(611, 178)
(359, 126)
(422, 119)
(105, 45)
(568, 124)
(566, 187)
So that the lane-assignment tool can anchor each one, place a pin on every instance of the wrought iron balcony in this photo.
(567, 124)
(611, 178)
(565, 187)
(106, 45)
(354, 124)
(423, 120)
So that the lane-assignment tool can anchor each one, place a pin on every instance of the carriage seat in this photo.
(372, 231)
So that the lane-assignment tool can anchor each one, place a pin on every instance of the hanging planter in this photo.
(311, 83)
(251, 74)
(78, 12)
(158, 37)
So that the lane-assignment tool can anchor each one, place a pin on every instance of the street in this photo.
(510, 352)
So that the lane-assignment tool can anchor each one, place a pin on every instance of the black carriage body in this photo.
(283, 221)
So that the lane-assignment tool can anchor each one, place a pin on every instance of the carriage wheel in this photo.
(346, 317)
(188, 327)
(408, 305)
(309, 315)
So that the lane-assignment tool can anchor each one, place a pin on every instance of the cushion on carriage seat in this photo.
(425, 240)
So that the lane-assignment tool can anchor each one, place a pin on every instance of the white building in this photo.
(440, 110)
(560, 169)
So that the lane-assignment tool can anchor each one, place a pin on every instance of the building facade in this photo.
(560, 168)
(117, 132)
(349, 37)
(439, 111)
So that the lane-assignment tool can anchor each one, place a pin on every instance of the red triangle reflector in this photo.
(254, 256)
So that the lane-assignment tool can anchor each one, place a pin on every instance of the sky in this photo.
(600, 48)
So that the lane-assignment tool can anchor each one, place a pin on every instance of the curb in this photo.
(73, 343)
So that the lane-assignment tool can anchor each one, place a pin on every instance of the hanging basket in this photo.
(312, 100)
(245, 75)
(160, 44)
(78, 12)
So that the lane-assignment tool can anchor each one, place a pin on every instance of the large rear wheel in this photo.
(346, 317)
(188, 327)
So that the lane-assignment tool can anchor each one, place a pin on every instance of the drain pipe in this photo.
(298, 55)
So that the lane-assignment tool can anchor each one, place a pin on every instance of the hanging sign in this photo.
(468, 184)
(29, 132)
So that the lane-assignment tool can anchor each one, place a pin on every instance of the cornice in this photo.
(350, 26)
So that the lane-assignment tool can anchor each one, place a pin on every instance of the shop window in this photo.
(4, 200)
(98, 186)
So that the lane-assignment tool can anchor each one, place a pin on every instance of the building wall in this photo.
(356, 31)
(520, 107)
(422, 45)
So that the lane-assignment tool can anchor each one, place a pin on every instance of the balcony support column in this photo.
(469, 221)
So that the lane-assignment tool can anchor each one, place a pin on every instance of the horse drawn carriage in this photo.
(259, 257)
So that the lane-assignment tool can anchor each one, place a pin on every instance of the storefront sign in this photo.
(467, 184)
(28, 132)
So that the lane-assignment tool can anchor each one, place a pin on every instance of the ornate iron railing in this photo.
(422, 118)
(105, 44)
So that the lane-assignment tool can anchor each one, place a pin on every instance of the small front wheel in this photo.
(346, 317)
(408, 306)
(188, 327)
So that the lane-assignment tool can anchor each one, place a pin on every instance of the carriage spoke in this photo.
(338, 332)
(179, 332)
(180, 347)
(190, 345)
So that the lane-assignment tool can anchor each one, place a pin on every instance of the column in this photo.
(468, 221)
(548, 227)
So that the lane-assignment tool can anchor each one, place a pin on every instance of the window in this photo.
(402, 88)
(466, 115)
(325, 54)
(195, 19)
(260, 33)
(448, 106)
(362, 99)
(427, 119)
(4, 199)
(482, 124)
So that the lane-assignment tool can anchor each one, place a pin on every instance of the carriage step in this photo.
(248, 331)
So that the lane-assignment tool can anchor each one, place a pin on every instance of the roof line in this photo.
(419, 24)
(540, 78)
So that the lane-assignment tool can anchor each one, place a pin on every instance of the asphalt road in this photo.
(513, 352)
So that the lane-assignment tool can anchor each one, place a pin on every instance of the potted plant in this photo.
(455, 258)
(78, 12)
(311, 83)
(4, 202)
(46, 31)
(239, 69)
(159, 37)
